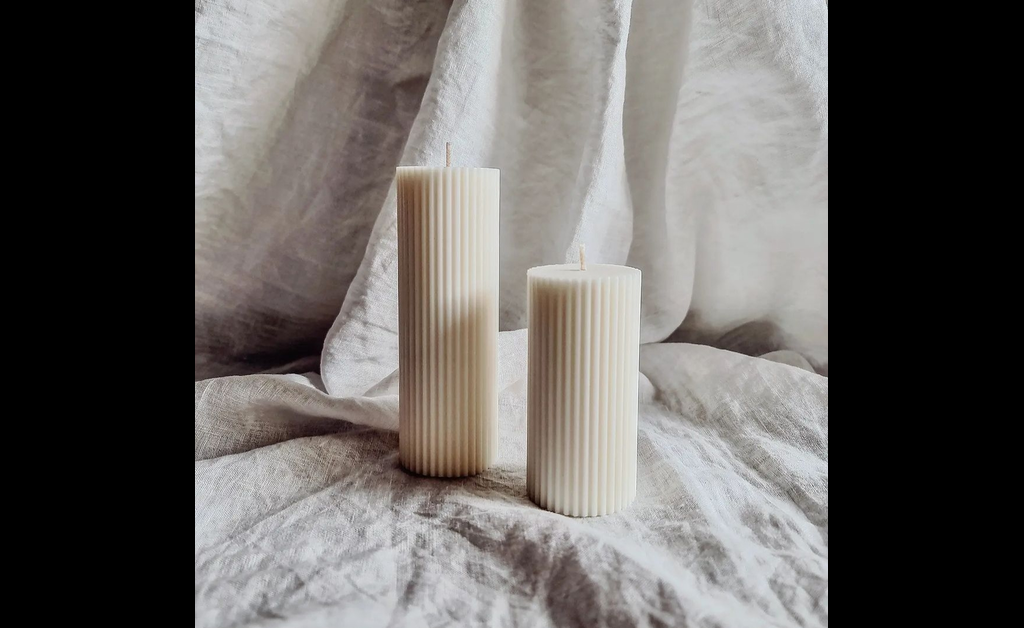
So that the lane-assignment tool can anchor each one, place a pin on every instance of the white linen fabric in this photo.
(687, 139)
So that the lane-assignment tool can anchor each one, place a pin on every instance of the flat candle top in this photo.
(415, 169)
(571, 272)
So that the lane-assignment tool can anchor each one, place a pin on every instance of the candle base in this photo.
(425, 472)
(566, 508)
(456, 447)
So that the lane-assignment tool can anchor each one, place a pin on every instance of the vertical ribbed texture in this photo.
(447, 319)
(584, 336)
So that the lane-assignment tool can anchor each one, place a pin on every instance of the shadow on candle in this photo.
(450, 421)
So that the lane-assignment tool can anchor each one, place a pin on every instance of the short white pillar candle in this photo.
(584, 337)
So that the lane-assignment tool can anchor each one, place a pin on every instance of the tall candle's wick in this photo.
(447, 154)
(583, 257)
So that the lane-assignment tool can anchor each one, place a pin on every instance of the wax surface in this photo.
(582, 392)
(448, 319)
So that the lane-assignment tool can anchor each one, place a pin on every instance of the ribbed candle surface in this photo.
(448, 319)
(582, 390)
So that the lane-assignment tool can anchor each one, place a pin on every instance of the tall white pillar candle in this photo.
(582, 387)
(447, 319)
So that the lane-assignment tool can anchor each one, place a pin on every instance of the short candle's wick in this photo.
(583, 257)
(447, 154)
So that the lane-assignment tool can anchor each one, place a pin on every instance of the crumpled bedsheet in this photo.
(303, 514)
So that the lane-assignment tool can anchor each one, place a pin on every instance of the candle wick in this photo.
(583, 257)
(447, 154)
